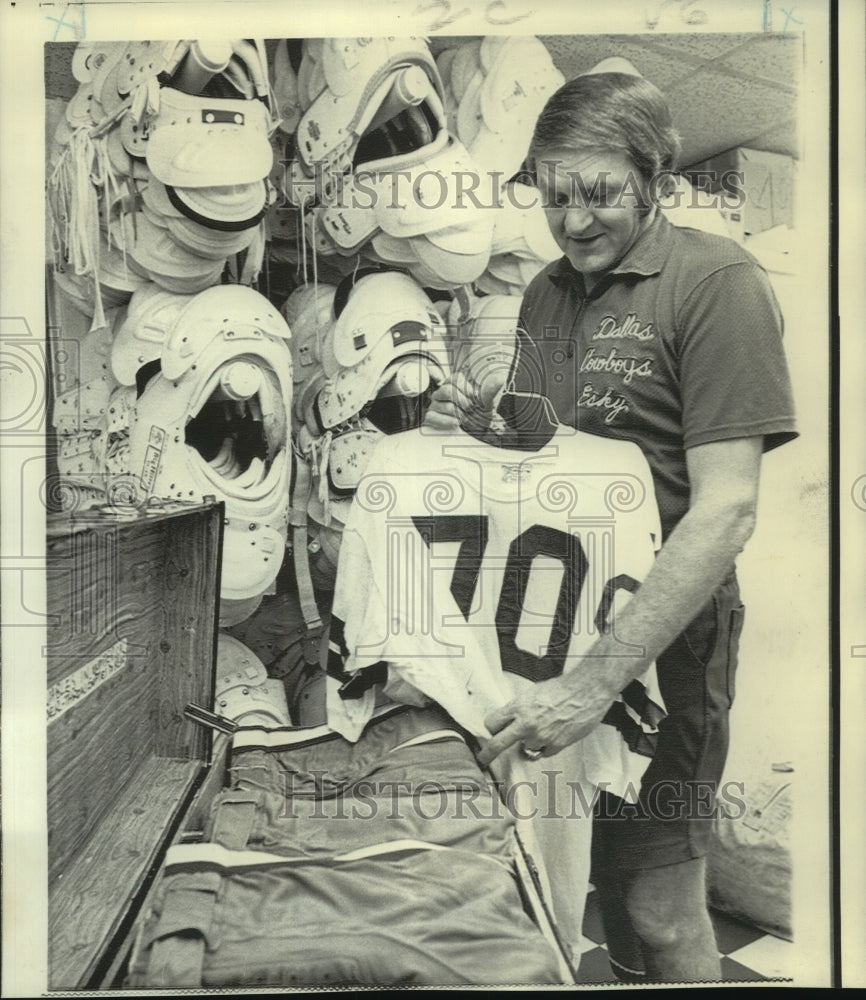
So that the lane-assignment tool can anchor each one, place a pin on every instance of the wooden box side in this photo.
(187, 662)
(133, 610)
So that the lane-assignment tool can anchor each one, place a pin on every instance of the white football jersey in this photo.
(469, 571)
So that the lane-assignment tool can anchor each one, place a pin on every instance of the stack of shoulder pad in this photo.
(367, 355)
(159, 169)
(375, 163)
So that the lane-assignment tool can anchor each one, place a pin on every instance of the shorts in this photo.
(673, 817)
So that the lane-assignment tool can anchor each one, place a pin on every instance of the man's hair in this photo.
(615, 112)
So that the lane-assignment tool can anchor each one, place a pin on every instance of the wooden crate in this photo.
(132, 602)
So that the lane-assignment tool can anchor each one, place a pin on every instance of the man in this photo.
(671, 338)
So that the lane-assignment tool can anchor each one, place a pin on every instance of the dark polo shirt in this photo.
(678, 345)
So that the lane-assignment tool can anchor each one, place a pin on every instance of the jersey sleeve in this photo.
(733, 373)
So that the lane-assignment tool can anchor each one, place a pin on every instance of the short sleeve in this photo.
(733, 373)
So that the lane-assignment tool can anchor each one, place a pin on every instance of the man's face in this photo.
(596, 205)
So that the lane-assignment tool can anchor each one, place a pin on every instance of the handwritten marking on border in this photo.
(78, 26)
(496, 13)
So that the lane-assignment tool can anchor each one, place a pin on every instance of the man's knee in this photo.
(667, 906)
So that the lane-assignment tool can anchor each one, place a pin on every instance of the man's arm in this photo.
(692, 562)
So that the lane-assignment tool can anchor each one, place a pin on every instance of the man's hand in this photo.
(455, 405)
(548, 717)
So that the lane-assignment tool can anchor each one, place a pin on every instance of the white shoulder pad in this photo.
(153, 249)
(308, 307)
(343, 396)
(251, 559)
(76, 457)
(234, 658)
(207, 142)
(355, 70)
(453, 267)
(432, 196)
(348, 456)
(150, 315)
(311, 75)
(469, 114)
(466, 61)
(487, 340)
(310, 313)
(357, 64)
(367, 81)
(94, 352)
(120, 413)
(331, 511)
(521, 79)
(285, 84)
(90, 56)
(346, 227)
(115, 269)
(140, 60)
(377, 304)
(209, 243)
(256, 500)
(306, 394)
(234, 612)
(409, 195)
(506, 267)
(78, 107)
(83, 408)
(134, 135)
(231, 313)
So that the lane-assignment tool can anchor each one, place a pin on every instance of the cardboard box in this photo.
(755, 188)
(131, 640)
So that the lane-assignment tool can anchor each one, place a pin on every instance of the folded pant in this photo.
(293, 889)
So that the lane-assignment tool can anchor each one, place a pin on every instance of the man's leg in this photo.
(656, 923)
(648, 857)
(667, 909)
(624, 949)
